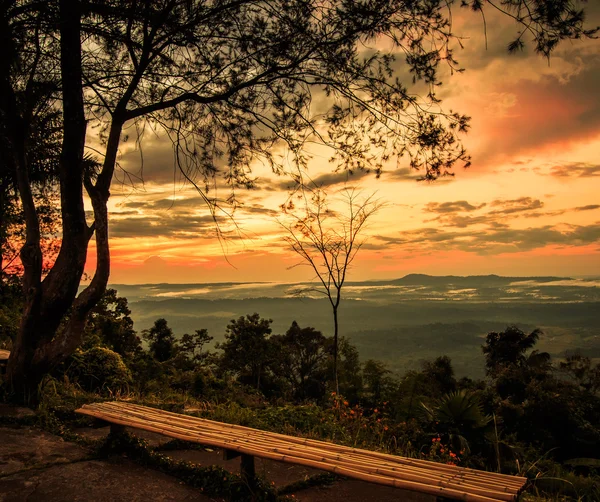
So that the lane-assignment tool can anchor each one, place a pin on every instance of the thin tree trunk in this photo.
(335, 349)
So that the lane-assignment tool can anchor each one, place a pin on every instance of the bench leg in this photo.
(248, 471)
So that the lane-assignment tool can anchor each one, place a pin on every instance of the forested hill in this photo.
(401, 321)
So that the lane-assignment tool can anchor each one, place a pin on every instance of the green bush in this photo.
(98, 370)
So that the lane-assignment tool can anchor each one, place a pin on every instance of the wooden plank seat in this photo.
(423, 476)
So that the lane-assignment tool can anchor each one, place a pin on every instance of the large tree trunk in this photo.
(45, 336)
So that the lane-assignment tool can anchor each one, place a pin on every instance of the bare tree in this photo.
(327, 240)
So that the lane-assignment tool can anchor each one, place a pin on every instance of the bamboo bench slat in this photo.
(279, 446)
(505, 478)
(410, 474)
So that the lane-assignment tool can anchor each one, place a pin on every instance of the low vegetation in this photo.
(530, 416)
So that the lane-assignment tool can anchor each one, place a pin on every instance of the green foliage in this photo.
(109, 324)
(378, 384)
(246, 349)
(508, 348)
(349, 370)
(11, 304)
(98, 370)
(300, 360)
(191, 345)
(460, 417)
(161, 340)
(441, 374)
(580, 369)
(458, 411)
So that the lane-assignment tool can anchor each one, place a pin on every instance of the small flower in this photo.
(385, 427)
(345, 403)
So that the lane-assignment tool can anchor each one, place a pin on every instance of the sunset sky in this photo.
(529, 205)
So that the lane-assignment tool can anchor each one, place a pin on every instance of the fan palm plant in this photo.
(458, 414)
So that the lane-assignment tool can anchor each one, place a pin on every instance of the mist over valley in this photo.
(401, 322)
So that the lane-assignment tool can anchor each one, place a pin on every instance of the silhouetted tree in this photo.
(350, 374)
(327, 240)
(300, 359)
(508, 348)
(109, 324)
(246, 349)
(377, 381)
(191, 345)
(228, 81)
(441, 374)
(581, 370)
(161, 340)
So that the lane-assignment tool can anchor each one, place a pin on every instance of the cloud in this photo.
(463, 221)
(589, 207)
(451, 207)
(496, 240)
(451, 214)
(175, 225)
(403, 174)
(576, 170)
(515, 205)
(549, 112)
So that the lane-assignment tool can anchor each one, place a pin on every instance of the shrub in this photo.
(98, 369)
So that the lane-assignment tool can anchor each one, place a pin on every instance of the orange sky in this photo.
(529, 205)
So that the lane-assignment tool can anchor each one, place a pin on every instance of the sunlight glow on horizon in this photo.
(529, 205)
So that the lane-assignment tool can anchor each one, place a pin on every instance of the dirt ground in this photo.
(37, 466)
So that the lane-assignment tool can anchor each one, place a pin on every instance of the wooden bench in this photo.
(417, 475)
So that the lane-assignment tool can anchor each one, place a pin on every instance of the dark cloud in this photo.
(337, 178)
(258, 209)
(463, 221)
(403, 174)
(496, 240)
(176, 218)
(515, 205)
(540, 214)
(166, 225)
(451, 207)
(589, 207)
(576, 170)
(409, 174)
(451, 214)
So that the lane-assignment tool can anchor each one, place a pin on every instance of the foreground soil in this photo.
(37, 466)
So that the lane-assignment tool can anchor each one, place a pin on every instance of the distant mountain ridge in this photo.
(410, 279)
(480, 280)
